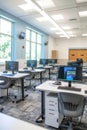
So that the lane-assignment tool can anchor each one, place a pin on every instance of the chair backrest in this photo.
(71, 104)
(5, 82)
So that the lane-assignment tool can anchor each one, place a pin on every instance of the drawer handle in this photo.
(51, 104)
(57, 120)
(51, 113)
(51, 110)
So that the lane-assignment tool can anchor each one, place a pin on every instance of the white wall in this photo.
(51, 45)
(63, 45)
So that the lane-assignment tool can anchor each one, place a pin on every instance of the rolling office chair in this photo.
(71, 106)
(5, 83)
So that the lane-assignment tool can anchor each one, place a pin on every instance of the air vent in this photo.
(74, 19)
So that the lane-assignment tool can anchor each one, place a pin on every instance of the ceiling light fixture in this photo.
(81, 1)
(66, 27)
(59, 33)
(54, 29)
(25, 7)
(43, 13)
(84, 34)
(45, 3)
(83, 14)
(57, 17)
(40, 19)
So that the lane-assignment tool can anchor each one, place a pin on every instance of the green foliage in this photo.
(5, 46)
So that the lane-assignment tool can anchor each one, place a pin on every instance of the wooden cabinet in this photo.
(54, 54)
(78, 53)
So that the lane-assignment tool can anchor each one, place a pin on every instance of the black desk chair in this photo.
(71, 106)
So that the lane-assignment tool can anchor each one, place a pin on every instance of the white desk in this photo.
(48, 86)
(16, 76)
(10, 123)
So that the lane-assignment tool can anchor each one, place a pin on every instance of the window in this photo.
(5, 39)
(33, 44)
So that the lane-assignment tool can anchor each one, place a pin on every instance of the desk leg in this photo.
(22, 89)
(49, 73)
(41, 117)
(41, 77)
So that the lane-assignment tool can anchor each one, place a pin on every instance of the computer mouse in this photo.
(57, 83)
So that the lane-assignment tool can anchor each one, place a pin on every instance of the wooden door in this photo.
(54, 54)
(78, 53)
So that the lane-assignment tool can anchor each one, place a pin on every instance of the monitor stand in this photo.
(32, 68)
(69, 83)
(13, 72)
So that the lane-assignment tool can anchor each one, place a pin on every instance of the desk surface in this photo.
(11, 123)
(38, 70)
(17, 75)
(50, 87)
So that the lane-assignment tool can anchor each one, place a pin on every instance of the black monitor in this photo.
(80, 61)
(52, 61)
(32, 63)
(73, 63)
(70, 73)
(43, 61)
(12, 66)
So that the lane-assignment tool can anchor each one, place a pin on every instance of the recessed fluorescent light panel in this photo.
(42, 19)
(83, 14)
(65, 27)
(57, 17)
(54, 29)
(59, 33)
(69, 32)
(81, 1)
(62, 36)
(45, 3)
(25, 7)
(30, 5)
(72, 35)
(84, 34)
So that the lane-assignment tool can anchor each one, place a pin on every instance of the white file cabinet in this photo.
(52, 116)
(3, 92)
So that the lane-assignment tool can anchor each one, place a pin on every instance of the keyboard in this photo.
(69, 88)
(7, 74)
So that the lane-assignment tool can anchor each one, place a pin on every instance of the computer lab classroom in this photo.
(43, 64)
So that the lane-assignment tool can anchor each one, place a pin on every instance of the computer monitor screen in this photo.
(70, 73)
(52, 61)
(12, 66)
(32, 63)
(43, 61)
